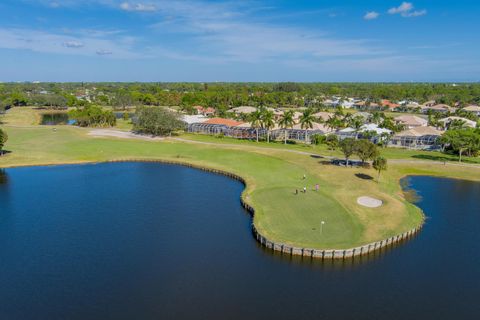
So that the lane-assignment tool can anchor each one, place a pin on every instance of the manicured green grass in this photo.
(389, 153)
(272, 175)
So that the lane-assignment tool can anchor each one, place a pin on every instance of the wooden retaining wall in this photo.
(285, 248)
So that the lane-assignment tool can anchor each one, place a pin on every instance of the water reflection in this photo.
(337, 264)
(3, 176)
(55, 118)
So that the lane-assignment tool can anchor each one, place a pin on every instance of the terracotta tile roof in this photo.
(389, 104)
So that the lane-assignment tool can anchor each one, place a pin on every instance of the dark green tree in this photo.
(157, 121)
(3, 140)
(348, 148)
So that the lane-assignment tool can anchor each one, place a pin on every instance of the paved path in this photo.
(121, 134)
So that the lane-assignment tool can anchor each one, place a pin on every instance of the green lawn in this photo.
(272, 174)
(389, 153)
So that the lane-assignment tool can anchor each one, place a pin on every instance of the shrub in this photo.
(93, 116)
(332, 142)
(317, 139)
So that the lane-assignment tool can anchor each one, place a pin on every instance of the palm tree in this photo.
(380, 164)
(287, 122)
(268, 122)
(256, 120)
(356, 123)
(377, 117)
(456, 124)
(306, 121)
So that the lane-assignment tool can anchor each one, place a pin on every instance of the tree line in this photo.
(224, 95)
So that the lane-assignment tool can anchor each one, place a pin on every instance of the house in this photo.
(277, 114)
(372, 127)
(417, 138)
(223, 121)
(324, 116)
(315, 127)
(189, 119)
(467, 123)
(429, 103)
(347, 104)
(366, 116)
(204, 111)
(360, 105)
(442, 108)
(243, 110)
(373, 130)
(334, 102)
(413, 106)
(411, 121)
(389, 105)
(213, 126)
(300, 134)
(297, 115)
(473, 109)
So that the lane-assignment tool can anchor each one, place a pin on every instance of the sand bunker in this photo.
(369, 202)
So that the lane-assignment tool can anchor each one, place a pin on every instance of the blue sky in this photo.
(157, 40)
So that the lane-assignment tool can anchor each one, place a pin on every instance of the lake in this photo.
(154, 241)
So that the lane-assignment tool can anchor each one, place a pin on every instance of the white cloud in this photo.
(57, 43)
(73, 44)
(371, 15)
(223, 31)
(406, 10)
(103, 52)
(140, 7)
(416, 13)
(404, 7)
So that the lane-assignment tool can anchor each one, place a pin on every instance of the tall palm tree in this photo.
(268, 122)
(306, 121)
(356, 123)
(456, 124)
(256, 120)
(335, 123)
(287, 122)
(376, 117)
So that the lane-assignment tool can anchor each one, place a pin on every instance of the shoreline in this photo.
(326, 254)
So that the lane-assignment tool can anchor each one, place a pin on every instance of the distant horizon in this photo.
(244, 41)
(253, 82)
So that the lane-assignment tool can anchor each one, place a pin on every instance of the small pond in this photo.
(55, 118)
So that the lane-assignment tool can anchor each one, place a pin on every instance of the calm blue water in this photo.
(150, 241)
